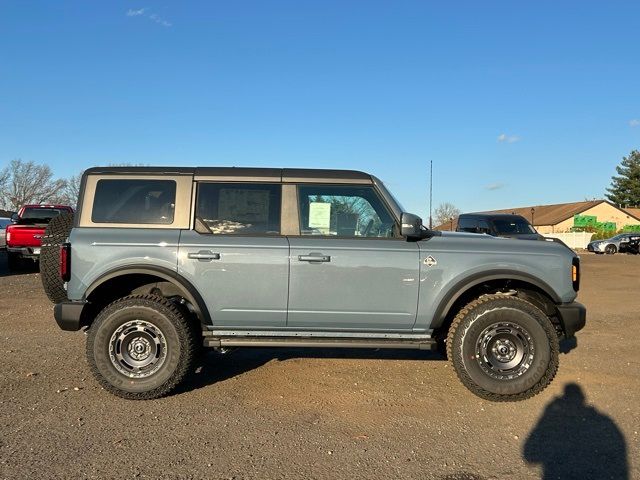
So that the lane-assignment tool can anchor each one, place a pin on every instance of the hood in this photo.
(471, 241)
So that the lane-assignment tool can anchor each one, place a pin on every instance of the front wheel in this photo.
(610, 249)
(503, 348)
(141, 347)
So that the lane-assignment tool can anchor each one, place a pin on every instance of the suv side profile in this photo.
(158, 262)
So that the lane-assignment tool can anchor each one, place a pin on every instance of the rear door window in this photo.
(134, 201)
(238, 208)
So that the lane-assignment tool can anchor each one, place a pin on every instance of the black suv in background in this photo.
(498, 225)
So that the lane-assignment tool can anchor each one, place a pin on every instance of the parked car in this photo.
(610, 246)
(633, 246)
(498, 225)
(4, 222)
(24, 236)
(159, 261)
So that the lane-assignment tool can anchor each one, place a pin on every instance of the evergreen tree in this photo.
(625, 187)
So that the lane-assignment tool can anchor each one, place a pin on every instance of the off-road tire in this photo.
(55, 235)
(463, 341)
(178, 331)
(13, 261)
(610, 250)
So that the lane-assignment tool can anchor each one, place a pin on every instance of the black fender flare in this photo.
(467, 283)
(182, 284)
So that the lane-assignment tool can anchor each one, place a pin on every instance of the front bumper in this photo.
(595, 247)
(573, 317)
(68, 315)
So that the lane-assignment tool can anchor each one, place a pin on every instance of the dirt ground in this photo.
(322, 413)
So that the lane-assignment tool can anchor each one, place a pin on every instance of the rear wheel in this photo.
(141, 347)
(503, 348)
(610, 249)
(55, 235)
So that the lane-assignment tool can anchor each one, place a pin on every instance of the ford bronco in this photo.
(158, 262)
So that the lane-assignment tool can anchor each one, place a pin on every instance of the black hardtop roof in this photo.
(245, 172)
(501, 216)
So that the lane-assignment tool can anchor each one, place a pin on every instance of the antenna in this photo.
(430, 195)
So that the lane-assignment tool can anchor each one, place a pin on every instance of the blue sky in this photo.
(515, 103)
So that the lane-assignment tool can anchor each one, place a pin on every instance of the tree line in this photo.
(23, 183)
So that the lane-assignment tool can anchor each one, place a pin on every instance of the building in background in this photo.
(569, 217)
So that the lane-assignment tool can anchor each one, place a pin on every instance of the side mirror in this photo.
(15, 217)
(411, 226)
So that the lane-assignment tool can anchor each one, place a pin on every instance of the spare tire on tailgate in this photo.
(55, 235)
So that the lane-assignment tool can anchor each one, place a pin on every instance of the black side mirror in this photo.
(411, 226)
(15, 217)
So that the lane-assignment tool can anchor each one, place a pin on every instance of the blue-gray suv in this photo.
(158, 262)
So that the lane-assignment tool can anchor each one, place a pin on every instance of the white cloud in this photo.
(154, 17)
(634, 123)
(135, 13)
(504, 138)
(495, 186)
(159, 20)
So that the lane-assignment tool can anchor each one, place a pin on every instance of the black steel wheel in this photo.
(141, 347)
(503, 348)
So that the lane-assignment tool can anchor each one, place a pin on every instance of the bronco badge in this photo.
(430, 261)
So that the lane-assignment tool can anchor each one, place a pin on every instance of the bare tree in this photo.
(445, 212)
(69, 194)
(27, 182)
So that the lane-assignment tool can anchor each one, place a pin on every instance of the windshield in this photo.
(512, 227)
(618, 237)
(39, 215)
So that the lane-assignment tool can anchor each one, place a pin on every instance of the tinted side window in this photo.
(484, 227)
(238, 208)
(467, 225)
(134, 201)
(343, 211)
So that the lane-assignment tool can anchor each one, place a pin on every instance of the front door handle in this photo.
(314, 258)
(204, 256)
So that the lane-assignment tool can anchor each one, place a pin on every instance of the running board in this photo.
(297, 341)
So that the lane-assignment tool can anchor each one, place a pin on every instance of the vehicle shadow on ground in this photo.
(214, 367)
(574, 440)
(25, 268)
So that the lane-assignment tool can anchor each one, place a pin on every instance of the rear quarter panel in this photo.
(98, 251)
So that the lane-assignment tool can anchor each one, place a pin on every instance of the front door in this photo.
(235, 255)
(350, 269)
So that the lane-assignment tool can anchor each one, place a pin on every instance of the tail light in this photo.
(65, 261)
(8, 239)
(575, 273)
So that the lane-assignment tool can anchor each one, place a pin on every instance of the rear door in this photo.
(350, 269)
(236, 256)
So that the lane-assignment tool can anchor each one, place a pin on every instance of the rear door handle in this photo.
(204, 256)
(314, 258)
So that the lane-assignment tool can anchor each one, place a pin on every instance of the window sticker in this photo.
(320, 216)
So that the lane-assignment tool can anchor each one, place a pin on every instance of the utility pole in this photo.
(430, 195)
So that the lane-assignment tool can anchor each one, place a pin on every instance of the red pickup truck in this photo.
(24, 237)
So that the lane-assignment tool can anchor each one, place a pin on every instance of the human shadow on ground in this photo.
(573, 440)
(214, 367)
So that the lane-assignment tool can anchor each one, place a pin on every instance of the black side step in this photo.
(296, 341)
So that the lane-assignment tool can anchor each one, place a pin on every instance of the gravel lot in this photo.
(322, 413)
